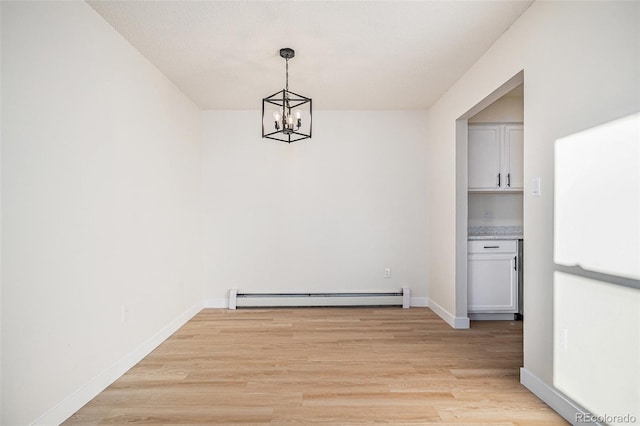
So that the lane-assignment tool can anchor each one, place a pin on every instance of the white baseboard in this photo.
(68, 406)
(491, 317)
(449, 318)
(219, 303)
(555, 399)
(419, 302)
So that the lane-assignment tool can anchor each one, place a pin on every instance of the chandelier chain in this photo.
(287, 74)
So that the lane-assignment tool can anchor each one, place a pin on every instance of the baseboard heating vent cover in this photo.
(239, 299)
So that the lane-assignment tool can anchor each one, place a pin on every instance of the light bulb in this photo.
(298, 115)
(276, 119)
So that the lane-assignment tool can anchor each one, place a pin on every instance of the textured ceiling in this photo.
(349, 54)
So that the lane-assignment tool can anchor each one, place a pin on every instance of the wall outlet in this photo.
(124, 313)
(387, 272)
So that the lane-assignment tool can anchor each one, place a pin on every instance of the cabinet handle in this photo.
(491, 246)
(498, 180)
(515, 263)
(509, 179)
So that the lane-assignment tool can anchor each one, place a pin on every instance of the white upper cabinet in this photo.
(495, 157)
(513, 151)
(484, 156)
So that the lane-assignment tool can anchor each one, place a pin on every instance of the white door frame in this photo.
(462, 207)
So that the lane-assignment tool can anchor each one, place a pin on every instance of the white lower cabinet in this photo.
(492, 276)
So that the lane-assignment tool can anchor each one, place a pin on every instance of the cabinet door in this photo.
(484, 157)
(513, 145)
(492, 283)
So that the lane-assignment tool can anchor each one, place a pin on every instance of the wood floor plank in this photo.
(325, 366)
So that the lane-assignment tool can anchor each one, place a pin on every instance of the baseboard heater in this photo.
(238, 299)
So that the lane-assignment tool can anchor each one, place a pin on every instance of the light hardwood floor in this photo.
(326, 365)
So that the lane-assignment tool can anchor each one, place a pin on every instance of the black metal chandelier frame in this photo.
(287, 129)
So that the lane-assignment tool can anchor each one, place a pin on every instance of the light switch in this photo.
(535, 187)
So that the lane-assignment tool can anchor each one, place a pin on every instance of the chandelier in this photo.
(286, 116)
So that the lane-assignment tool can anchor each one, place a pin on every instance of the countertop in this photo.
(495, 233)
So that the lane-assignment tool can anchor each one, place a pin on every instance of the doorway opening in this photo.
(484, 207)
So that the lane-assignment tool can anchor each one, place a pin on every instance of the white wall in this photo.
(100, 206)
(507, 109)
(581, 68)
(326, 214)
(502, 209)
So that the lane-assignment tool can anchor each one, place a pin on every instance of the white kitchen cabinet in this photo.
(495, 157)
(492, 276)
(513, 143)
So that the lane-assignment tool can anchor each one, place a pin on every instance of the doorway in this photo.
(477, 205)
